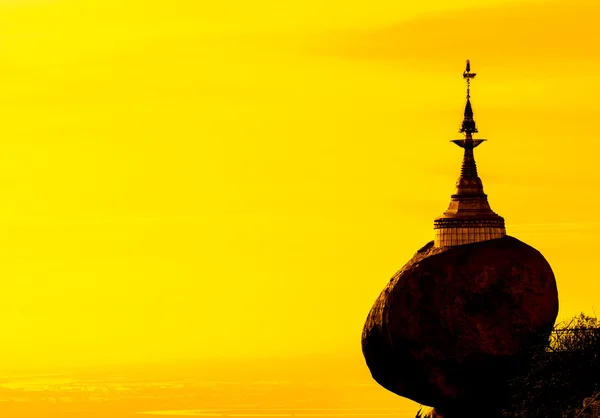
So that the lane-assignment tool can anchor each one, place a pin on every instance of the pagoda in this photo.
(469, 217)
(465, 316)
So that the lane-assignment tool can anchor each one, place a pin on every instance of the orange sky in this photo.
(239, 180)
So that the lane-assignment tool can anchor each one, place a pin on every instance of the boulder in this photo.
(456, 323)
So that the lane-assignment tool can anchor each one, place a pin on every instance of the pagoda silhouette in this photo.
(464, 316)
(469, 217)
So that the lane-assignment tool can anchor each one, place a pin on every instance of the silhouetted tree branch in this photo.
(564, 370)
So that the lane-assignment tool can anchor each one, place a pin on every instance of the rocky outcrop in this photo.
(455, 323)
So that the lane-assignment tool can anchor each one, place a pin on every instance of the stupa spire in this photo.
(468, 125)
(469, 217)
(468, 128)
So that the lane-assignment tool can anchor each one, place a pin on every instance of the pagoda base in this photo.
(449, 232)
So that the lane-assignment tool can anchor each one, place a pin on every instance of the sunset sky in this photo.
(240, 179)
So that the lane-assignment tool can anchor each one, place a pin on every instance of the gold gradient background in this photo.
(236, 181)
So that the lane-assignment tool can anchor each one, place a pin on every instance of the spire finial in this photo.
(468, 124)
(468, 75)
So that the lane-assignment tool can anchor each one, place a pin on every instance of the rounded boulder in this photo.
(456, 323)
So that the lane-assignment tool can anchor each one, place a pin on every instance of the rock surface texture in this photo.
(455, 323)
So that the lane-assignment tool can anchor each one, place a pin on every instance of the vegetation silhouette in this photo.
(563, 379)
(564, 370)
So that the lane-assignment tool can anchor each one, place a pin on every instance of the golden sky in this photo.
(195, 179)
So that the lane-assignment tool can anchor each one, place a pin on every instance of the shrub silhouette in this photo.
(564, 370)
